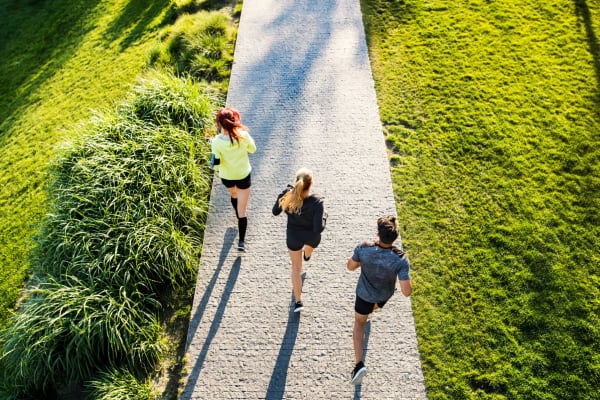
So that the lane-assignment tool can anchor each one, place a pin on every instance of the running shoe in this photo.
(358, 373)
(298, 306)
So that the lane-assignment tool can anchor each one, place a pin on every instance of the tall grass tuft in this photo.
(199, 44)
(164, 99)
(131, 201)
(67, 330)
(119, 385)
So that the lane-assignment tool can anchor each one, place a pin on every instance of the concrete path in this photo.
(303, 84)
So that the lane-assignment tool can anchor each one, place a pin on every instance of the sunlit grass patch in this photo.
(491, 111)
(200, 44)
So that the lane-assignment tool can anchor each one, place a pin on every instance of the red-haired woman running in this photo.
(230, 150)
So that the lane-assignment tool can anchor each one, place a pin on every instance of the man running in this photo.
(380, 263)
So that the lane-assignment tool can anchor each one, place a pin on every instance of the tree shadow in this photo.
(358, 388)
(289, 81)
(583, 12)
(217, 4)
(135, 19)
(36, 39)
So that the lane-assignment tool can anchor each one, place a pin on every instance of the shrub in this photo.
(164, 99)
(130, 203)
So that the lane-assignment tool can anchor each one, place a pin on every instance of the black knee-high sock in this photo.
(234, 204)
(242, 225)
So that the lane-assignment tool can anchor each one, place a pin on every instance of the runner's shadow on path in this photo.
(216, 322)
(276, 389)
(228, 240)
(358, 388)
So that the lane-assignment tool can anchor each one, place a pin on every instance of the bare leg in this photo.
(358, 334)
(233, 192)
(242, 204)
(243, 195)
(296, 257)
(308, 251)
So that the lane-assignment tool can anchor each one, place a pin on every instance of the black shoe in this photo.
(298, 306)
(305, 258)
(241, 246)
(358, 373)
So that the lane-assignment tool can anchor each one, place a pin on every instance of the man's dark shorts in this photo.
(363, 307)
(239, 183)
(297, 239)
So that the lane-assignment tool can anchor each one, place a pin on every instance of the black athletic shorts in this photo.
(239, 183)
(297, 239)
(364, 307)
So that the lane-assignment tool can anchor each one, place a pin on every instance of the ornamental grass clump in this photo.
(66, 330)
(164, 99)
(199, 44)
(120, 385)
(129, 201)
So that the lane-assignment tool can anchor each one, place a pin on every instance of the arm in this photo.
(215, 157)
(318, 221)
(352, 265)
(405, 287)
(276, 207)
(354, 261)
(251, 147)
(404, 276)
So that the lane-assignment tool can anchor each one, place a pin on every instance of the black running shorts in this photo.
(297, 239)
(239, 183)
(363, 307)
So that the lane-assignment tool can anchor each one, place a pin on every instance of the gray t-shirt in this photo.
(379, 268)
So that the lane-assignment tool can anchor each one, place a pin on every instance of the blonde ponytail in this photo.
(292, 201)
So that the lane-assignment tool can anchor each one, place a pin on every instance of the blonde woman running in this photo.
(306, 221)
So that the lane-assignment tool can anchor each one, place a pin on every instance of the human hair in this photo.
(292, 201)
(229, 120)
(387, 228)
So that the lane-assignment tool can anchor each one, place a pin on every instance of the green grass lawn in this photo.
(61, 60)
(492, 110)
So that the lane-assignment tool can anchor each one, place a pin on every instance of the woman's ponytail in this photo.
(292, 201)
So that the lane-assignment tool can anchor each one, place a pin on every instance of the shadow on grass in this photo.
(217, 4)
(135, 19)
(583, 12)
(399, 11)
